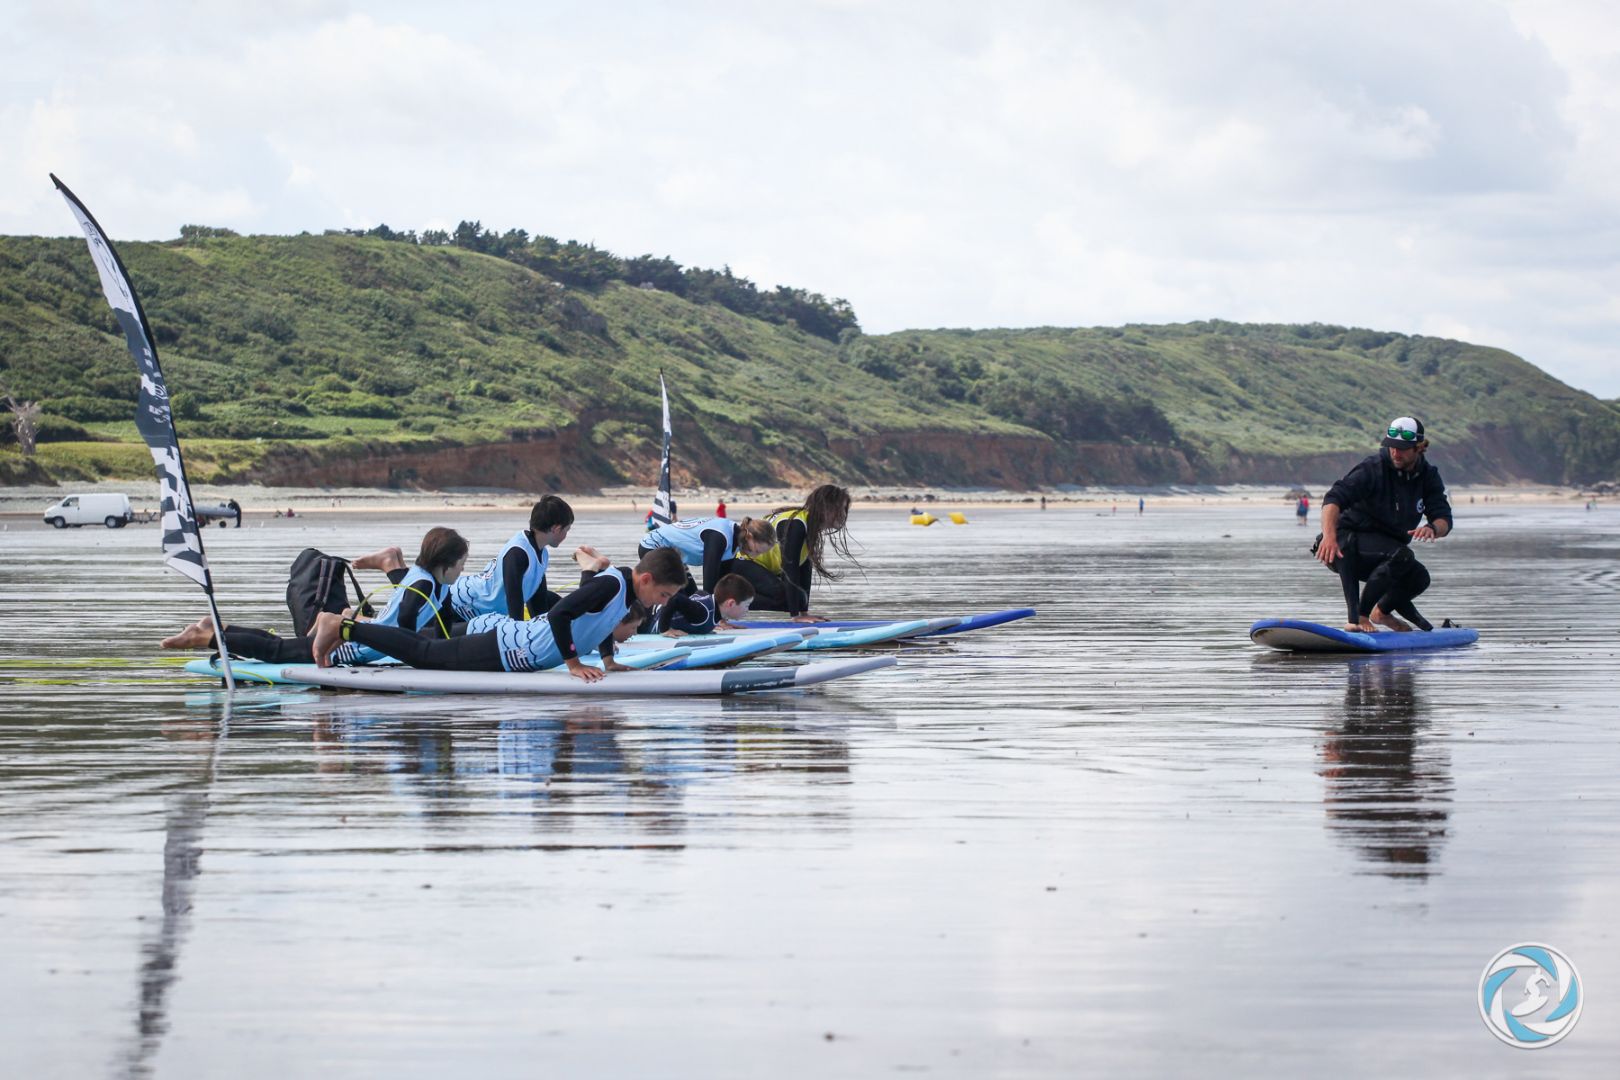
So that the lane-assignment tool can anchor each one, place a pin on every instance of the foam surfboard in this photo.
(731, 652)
(813, 638)
(397, 679)
(260, 672)
(1297, 635)
(962, 625)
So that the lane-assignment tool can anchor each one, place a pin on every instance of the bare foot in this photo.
(589, 558)
(328, 635)
(1361, 626)
(389, 558)
(1393, 622)
(199, 635)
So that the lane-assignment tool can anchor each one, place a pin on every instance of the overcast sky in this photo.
(1437, 168)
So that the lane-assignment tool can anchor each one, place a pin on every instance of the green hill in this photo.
(370, 360)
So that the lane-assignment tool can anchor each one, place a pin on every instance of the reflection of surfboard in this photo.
(1297, 635)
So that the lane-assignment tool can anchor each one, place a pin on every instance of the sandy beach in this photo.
(266, 502)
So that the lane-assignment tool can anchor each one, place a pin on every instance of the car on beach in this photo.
(94, 508)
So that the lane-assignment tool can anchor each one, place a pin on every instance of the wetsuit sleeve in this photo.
(543, 599)
(796, 570)
(1435, 503)
(513, 568)
(410, 609)
(589, 598)
(714, 557)
(1354, 486)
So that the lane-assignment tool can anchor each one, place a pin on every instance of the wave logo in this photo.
(1530, 996)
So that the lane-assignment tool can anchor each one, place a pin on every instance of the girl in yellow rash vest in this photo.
(782, 576)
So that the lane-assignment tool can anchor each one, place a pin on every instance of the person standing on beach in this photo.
(720, 509)
(514, 582)
(1370, 518)
(1302, 511)
(1141, 506)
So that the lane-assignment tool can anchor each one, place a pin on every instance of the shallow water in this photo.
(1115, 838)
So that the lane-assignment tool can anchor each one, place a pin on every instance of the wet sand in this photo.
(1115, 839)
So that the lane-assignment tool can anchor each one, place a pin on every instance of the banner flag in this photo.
(663, 511)
(182, 546)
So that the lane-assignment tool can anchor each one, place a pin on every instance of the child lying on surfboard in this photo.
(686, 613)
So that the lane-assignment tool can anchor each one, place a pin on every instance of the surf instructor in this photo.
(1370, 518)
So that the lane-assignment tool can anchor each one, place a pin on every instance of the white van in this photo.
(95, 509)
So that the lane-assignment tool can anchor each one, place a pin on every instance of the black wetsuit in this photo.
(693, 614)
(1379, 506)
(788, 591)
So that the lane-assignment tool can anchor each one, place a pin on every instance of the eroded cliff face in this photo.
(567, 461)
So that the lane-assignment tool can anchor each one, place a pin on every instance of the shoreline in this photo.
(29, 501)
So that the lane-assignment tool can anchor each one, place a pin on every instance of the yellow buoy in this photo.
(923, 519)
(958, 518)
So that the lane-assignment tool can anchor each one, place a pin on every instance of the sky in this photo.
(1444, 168)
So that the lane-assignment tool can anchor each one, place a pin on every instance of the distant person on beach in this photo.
(1043, 502)
(1302, 511)
(782, 577)
(1370, 518)
(514, 581)
(720, 510)
(1141, 506)
(419, 603)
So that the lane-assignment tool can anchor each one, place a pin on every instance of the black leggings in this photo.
(258, 644)
(772, 592)
(1393, 581)
(469, 652)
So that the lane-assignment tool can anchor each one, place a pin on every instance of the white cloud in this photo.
(1406, 166)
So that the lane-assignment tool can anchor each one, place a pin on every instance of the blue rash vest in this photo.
(686, 537)
(482, 593)
(432, 594)
(353, 654)
(531, 644)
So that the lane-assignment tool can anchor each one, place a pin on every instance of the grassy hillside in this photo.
(319, 350)
(1293, 391)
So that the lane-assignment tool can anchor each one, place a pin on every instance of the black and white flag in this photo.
(663, 511)
(182, 547)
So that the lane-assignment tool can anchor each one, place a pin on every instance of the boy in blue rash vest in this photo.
(1370, 518)
(417, 604)
(686, 613)
(585, 619)
(514, 582)
(712, 543)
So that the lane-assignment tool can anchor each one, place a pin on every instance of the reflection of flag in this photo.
(663, 511)
(182, 547)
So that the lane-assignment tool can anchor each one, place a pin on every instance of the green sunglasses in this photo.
(1403, 433)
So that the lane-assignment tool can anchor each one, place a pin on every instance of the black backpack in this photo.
(315, 584)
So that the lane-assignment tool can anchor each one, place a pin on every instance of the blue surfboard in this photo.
(968, 622)
(1297, 635)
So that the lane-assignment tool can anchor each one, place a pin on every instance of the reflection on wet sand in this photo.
(630, 761)
(183, 822)
(1389, 783)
